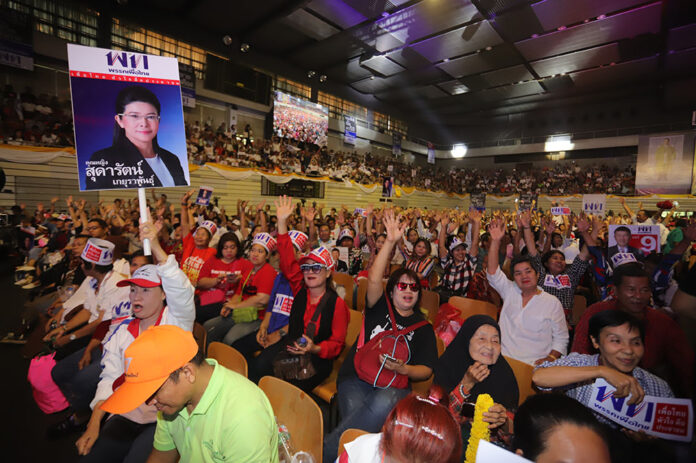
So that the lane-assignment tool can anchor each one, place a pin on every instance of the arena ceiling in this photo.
(448, 61)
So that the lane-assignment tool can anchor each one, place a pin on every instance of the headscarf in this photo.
(452, 365)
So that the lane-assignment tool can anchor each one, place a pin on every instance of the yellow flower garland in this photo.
(479, 428)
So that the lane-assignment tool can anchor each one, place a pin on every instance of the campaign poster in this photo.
(662, 166)
(594, 204)
(560, 210)
(662, 417)
(629, 243)
(478, 201)
(387, 187)
(128, 118)
(396, 144)
(205, 193)
(528, 201)
(350, 130)
(431, 153)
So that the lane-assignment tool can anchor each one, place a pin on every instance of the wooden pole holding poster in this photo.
(142, 202)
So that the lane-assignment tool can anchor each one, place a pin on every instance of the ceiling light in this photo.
(227, 40)
(322, 78)
(244, 47)
(372, 77)
(489, 48)
(601, 16)
(557, 143)
(311, 74)
(445, 60)
(459, 150)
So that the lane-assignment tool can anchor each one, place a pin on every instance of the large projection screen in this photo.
(300, 119)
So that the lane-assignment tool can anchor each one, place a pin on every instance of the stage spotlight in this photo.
(322, 78)
(311, 74)
(227, 40)
(244, 47)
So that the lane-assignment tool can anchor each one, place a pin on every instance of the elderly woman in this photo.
(472, 365)
(135, 146)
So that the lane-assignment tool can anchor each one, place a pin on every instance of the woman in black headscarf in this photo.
(472, 365)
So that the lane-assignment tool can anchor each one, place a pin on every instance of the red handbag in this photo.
(368, 365)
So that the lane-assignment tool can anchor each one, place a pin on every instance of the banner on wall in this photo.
(350, 130)
(431, 153)
(663, 165)
(187, 75)
(396, 144)
(478, 201)
(594, 204)
(128, 119)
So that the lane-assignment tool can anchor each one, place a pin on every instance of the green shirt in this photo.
(233, 422)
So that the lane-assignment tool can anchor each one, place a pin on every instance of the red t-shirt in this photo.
(192, 259)
(261, 281)
(215, 267)
(665, 342)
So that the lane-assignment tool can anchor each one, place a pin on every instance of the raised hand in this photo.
(583, 224)
(392, 227)
(187, 196)
(497, 229)
(475, 215)
(525, 219)
(284, 208)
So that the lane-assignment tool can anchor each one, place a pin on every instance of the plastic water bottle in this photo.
(302, 457)
(285, 450)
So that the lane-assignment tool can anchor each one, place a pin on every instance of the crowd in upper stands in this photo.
(27, 119)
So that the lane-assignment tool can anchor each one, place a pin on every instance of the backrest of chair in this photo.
(523, 374)
(422, 387)
(201, 336)
(579, 307)
(362, 294)
(228, 357)
(349, 435)
(468, 307)
(440, 346)
(430, 300)
(297, 410)
(354, 327)
(345, 280)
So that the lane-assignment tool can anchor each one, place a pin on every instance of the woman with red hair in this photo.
(417, 430)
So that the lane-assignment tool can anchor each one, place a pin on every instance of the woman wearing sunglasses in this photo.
(135, 158)
(318, 317)
(365, 405)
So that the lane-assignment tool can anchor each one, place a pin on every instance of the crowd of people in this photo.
(261, 279)
(28, 119)
(227, 146)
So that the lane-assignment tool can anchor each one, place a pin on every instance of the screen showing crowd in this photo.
(300, 119)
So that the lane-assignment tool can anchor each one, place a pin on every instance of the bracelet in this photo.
(464, 393)
(553, 357)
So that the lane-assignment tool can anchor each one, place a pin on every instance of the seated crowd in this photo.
(134, 385)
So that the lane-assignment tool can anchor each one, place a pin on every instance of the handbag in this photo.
(368, 365)
(289, 366)
(46, 393)
(245, 314)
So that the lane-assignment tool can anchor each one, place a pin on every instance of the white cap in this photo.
(97, 251)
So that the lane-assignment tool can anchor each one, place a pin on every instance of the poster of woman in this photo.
(128, 117)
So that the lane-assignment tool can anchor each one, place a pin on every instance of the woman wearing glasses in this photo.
(135, 159)
(364, 403)
(318, 317)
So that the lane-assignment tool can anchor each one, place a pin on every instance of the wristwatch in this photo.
(282, 332)
(72, 337)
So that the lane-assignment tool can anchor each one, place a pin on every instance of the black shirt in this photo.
(421, 342)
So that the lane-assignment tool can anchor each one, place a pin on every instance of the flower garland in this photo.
(479, 428)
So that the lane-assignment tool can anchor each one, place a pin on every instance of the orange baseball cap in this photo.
(149, 360)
